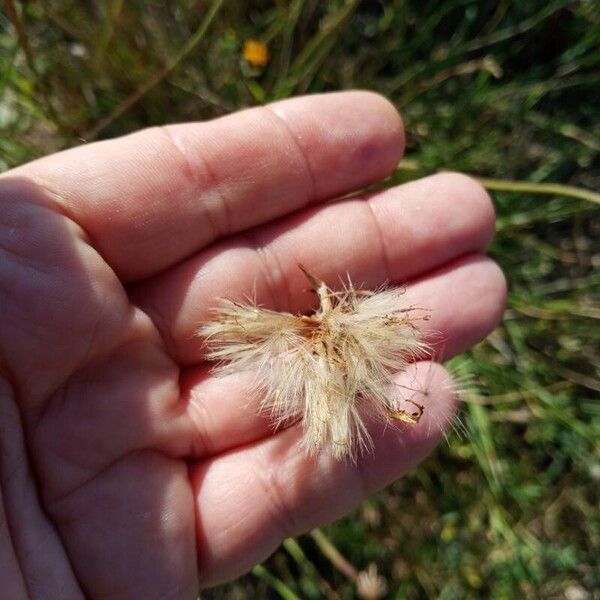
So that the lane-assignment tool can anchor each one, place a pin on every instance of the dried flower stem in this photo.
(327, 547)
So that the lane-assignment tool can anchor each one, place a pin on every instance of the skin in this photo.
(126, 469)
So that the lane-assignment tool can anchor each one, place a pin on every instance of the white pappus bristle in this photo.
(330, 369)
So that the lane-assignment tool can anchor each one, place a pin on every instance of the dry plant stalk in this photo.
(331, 369)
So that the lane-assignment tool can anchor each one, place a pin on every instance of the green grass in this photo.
(505, 90)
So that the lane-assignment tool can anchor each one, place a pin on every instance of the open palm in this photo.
(126, 469)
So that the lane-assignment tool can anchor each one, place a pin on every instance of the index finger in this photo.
(150, 199)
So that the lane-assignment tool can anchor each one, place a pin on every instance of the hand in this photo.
(126, 469)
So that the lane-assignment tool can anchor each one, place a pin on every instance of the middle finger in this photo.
(394, 236)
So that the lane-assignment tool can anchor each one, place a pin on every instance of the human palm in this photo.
(126, 469)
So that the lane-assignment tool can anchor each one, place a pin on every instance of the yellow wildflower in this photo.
(256, 53)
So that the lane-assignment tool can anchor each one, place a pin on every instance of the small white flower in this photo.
(329, 369)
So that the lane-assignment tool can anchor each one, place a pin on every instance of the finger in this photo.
(394, 236)
(249, 500)
(225, 411)
(466, 301)
(149, 199)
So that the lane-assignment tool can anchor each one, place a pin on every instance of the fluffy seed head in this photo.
(330, 369)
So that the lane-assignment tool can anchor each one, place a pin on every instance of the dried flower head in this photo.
(370, 585)
(330, 369)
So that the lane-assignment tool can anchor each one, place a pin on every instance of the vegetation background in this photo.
(503, 90)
